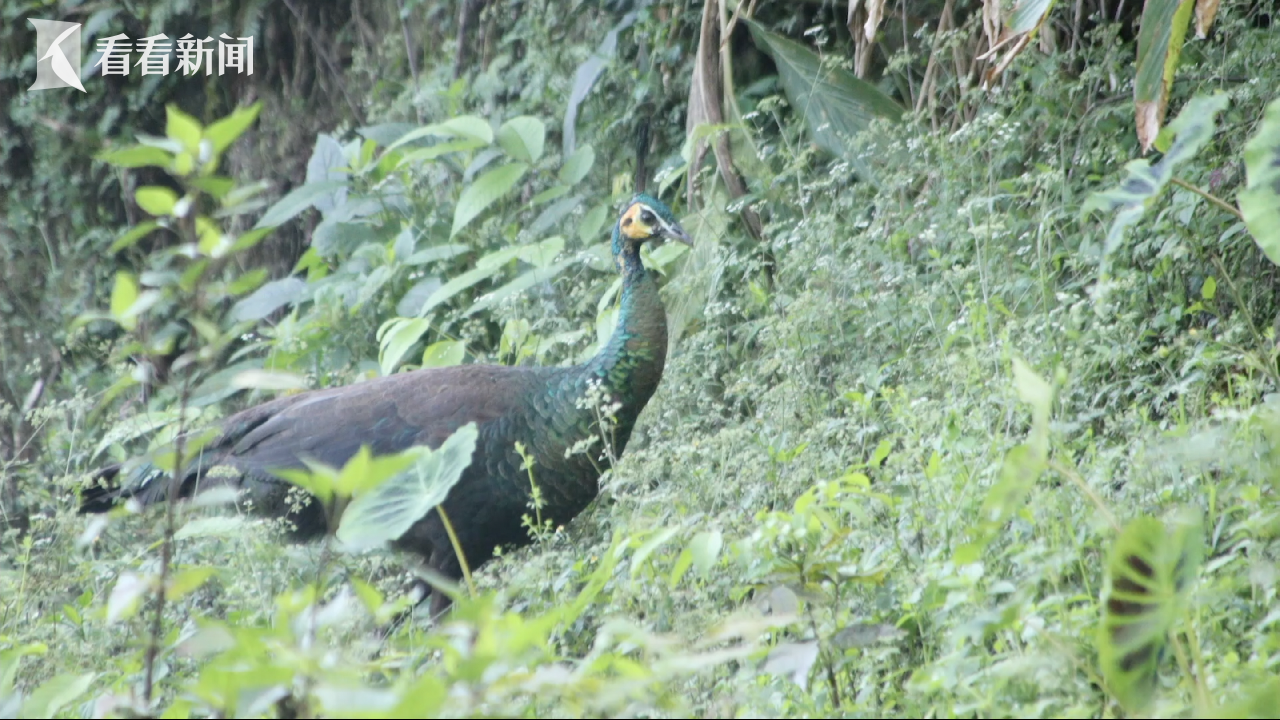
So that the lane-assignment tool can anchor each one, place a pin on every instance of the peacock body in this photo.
(541, 407)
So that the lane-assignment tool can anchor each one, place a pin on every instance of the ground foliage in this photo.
(913, 449)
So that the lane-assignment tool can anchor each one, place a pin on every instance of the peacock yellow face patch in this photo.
(633, 224)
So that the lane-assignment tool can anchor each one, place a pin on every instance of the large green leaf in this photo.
(299, 199)
(1028, 14)
(577, 165)
(225, 131)
(386, 512)
(1148, 581)
(1144, 181)
(485, 191)
(267, 299)
(136, 156)
(56, 693)
(444, 353)
(396, 337)
(1164, 26)
(156, 200)
(586, 75)
(835, 104)
(518, 285)
(470, 127)
(183, 128)
(523, 138)
(486, 267)
(1260, 200)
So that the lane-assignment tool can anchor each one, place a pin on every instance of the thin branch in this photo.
(410, 54)
(457, 549)
(1222, 204)
(1079, 482)
(328, 61)
(166, 548)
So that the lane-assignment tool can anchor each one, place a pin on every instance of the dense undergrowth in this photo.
(803, 523)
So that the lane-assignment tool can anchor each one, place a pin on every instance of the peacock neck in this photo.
(630, 364)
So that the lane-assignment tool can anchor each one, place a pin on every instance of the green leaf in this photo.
(542, 253)
(141, 424)
(578, 165)
(57, 693)
(1143, 182)
(123, 295)
(523, 138)
(126, 595)
(368, 594)
(605, 321)
(584, 78)
(365, 472)
(1260, 200)
(386, 512)
(1209, 289)
(183, 128)
(486, 267)
(137, 156)
(485, 191)
(882, 451)
(681, 566)
(445, 353)
(593, 223)
(156, 200)
(184, 581)
(10, 660)
(133, 235)
(1148, 580)
(443, 148)
(247, 282)
(646, 549)
(225, 131)
(267, 299)
(401, 335)
(551, 193)
(1022, 467)
(523, 282)
(436, 253)
(1036, 392)
(215, 185)
(471, 127)
(299, 199)
(317, 480)
(835, 104)
(1027, 15)
(706, 547)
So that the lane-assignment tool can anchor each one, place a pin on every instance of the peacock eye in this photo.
(648, 218)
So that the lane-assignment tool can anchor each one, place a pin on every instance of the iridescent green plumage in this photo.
(544, 408)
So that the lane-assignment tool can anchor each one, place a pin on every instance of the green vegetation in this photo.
(970, 409)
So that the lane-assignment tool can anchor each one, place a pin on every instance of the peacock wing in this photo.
(388, 414)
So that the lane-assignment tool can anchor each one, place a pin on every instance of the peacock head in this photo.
(646, 218)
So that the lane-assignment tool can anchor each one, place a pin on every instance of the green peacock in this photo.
(538, 406)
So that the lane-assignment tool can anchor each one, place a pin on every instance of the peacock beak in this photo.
(675, 232)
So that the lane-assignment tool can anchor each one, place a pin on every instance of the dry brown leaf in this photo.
(1148, 119)
(992, 23)
(1206, 10)
(875, 13)
(853, 8)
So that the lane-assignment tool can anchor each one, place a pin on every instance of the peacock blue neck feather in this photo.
(630, 364)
